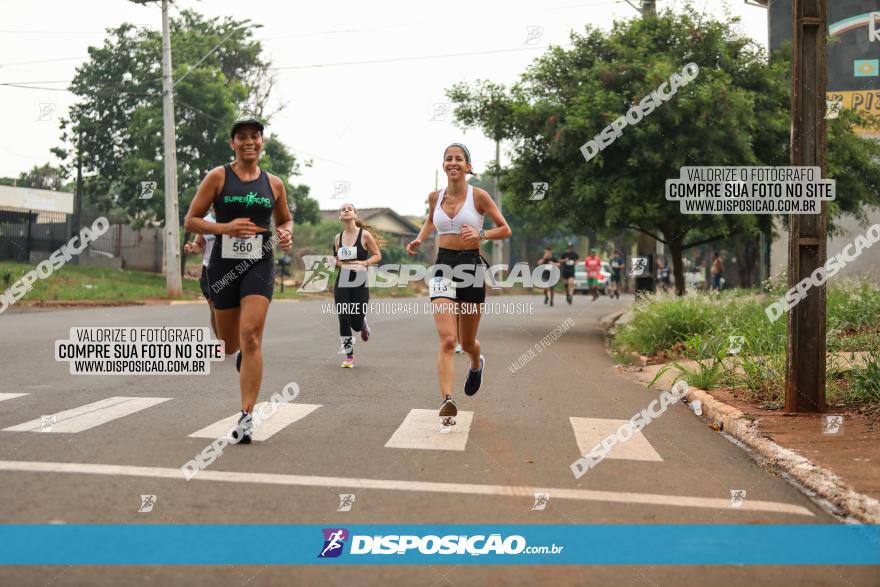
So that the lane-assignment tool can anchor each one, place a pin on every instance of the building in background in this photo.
(386, 220)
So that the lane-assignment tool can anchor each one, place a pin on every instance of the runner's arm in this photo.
(486, 205)
(427, 227)
(201, 203)
(281, 214)
(373, 247)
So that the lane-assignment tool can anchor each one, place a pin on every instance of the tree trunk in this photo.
(676, 248)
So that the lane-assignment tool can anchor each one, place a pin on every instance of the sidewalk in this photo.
(841, 464)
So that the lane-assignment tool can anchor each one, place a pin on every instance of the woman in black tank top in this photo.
(241, 272)
(354, 249)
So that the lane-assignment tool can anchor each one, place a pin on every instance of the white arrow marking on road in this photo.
(421, 429)
(90, 415)
(348, 483)
(588, 432)
(6, 396)
(287, 414)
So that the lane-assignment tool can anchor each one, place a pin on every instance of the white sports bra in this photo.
(466, 215)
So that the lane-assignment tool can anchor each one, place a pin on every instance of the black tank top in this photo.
(245, 199)
(362, 253)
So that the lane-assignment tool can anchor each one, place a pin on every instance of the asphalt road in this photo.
(522, 439)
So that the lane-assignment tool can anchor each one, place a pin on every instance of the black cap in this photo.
(245, 121)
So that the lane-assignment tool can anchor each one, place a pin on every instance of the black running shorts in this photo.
(229, 281)
(444, 285)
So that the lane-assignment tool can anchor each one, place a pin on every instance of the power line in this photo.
(44, 61)
(416, 58)
(29, 84)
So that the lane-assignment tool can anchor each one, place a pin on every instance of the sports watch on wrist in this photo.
(482, 234)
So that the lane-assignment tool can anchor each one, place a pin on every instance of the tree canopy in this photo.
(117, 123)
(735, 112)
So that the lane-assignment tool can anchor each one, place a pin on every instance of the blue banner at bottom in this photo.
(255, 544)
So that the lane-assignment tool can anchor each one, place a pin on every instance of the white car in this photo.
(580, 278)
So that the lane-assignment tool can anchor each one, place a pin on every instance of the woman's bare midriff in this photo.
(455, 242)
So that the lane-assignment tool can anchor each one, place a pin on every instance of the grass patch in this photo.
(697, 327)
(82, 283)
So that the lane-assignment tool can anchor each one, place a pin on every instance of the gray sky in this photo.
(366, 124)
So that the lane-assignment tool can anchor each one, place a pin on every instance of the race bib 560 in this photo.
(242, 248)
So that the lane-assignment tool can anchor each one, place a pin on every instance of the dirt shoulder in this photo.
(835, 454)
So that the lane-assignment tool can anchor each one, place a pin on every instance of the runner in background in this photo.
(663, 274)
(717, 271)
(204, 243)
(618, 263)
(594, 266)
(548, 258)
(354, 249)
(566, 264)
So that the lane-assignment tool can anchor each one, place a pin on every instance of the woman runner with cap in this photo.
(457, 212)
(241, 277)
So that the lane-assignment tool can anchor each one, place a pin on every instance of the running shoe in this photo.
(448, 408)
(546, 299)
(458, 349)
(348, 363)
(475, 378)
(568, 299)
(241, 434)
(365, 331)
(238, 361)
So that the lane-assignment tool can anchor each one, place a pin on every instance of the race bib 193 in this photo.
(442, 287)
(242, 248)
(347, 253)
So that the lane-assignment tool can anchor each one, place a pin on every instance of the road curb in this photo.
(823, 482)
(724, 417)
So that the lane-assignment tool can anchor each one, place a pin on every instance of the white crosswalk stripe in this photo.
(589, 432)
(88, 416)
(421, 429)
(6, 396)
(287, 414)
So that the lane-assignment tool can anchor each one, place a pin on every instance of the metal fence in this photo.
(26, 232)
(29, 236)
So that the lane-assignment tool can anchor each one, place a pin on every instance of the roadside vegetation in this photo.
(693, 333)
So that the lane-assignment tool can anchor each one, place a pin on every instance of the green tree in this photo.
(117, 122)
(278, 160)
(42, 177)
(736, 112)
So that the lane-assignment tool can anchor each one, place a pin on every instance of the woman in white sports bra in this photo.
(456, 212)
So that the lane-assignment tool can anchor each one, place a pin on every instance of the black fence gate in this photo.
(23, 232)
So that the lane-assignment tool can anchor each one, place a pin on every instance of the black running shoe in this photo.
(475, 378)
(241, 434)
(448, 408)
(238, 362)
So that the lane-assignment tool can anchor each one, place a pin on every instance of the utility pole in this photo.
(78, 195)
(172, 217)
(646, 245)
(497, 245)
(808, 235)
